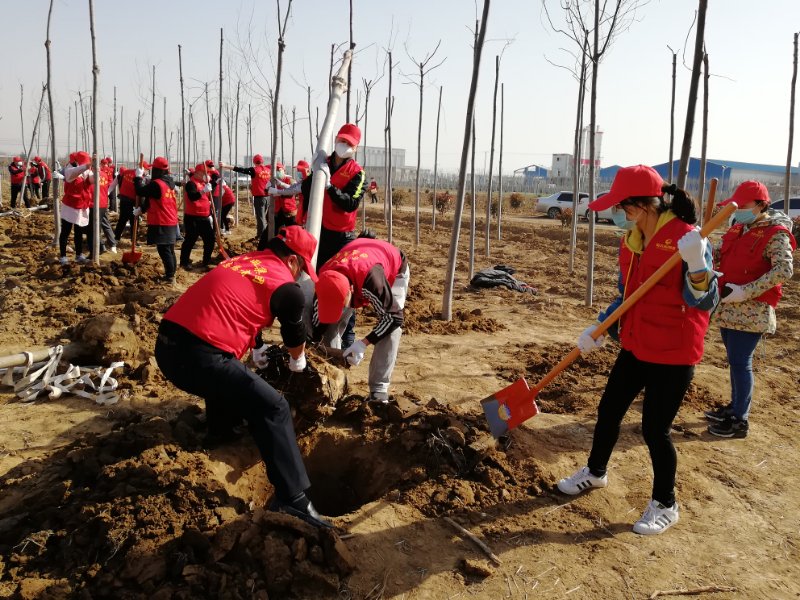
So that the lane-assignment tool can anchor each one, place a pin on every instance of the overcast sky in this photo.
(749, 44)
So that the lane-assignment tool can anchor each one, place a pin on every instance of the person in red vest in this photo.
(126, 193)
(303, 171)
(45, 175)
(197, 217)
(343, 193)
(661, 336)
(111, 171)
(366, 272)
(106, 180)
(228, 201)
(260, 175)
(34, 183)
(755, 258)
(285, 204)
(373, 191)
(17, 172)
(75, 204)
(289, 197)
(204, 335)
(161, 206)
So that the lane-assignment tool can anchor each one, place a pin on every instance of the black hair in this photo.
(158, 173)
(278, 246)
(682, 203)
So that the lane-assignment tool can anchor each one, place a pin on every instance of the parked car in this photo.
(603, 215)
(554, 204)
(794, 206)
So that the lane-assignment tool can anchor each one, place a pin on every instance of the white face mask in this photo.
(344, 150)
(280, 174)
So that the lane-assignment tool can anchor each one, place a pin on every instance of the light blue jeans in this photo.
(740, 347)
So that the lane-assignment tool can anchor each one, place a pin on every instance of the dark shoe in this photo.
(719, 414)
(730, 428)
(186, 267)
(378, 398)
(300, 506)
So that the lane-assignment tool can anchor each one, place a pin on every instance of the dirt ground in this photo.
(122, 502)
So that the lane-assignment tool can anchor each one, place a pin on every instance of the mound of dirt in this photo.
(423, 317)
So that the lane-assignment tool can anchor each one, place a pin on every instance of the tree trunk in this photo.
(69, 128)
(576, 162)
(500, 167)
(447, 299)
(294, 122)
(419, 154)
(276, 104)
(219, 134)
(672, 121)
(153, 117)
(366, 122)
(787, 178)
(686, 148)
(436, 161)
(473, 225)
(704, 144)
(53, 156)
(96, 165)
(491, 157)
(83, 121)
(310, 132)
(350, 70)
(592, 131)
(184, 157)
(390, 205)
(236, 151)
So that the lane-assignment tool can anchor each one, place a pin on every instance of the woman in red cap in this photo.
(17, 172)
(204, 335)
(260, 174)
(281, 194)
(45, 175)
(161, 205)
(75, 203)
(34, 181)
(755, 258)
(197, 219)
(661, 336)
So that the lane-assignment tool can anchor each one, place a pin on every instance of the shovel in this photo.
(133, 257)
(217, 233)
(516, 403)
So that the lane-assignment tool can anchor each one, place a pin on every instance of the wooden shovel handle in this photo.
(712, 198)
(720, 218)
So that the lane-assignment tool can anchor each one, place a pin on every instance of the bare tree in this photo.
(96, 158)
(153, 115)
(672, 116)
(686, 147)
(388, 194)
(436, 161)
(447, 299)
(473, 225)
(219, 135)
(350, 70)
(53, 155)
(787, 178)
(704, 143)
(368, 85)
(26, 150)
(491, 160)
(423, 71)
(310, 133)
(500, 166)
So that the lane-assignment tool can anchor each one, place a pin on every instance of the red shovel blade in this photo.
(509, 407)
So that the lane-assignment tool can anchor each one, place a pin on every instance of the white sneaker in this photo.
(581, 481)
(113, 250)
(64, 260)
(656, 519)
(80, 259)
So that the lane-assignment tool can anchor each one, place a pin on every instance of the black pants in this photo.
(34, 190)
(373, 198)
(105, 229)
(16, 188)
(46, 189)
(167, 254)
(330, 242)
(126, 206)
(233, 392)
(223, 222)
(197, 227)
(664, 388)
(261, 206)
(66, 229)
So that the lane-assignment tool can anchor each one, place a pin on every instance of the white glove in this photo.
(692, 247)
(324, 168)
(355, 353)
(206, 188)
(259, 356)
(211, 220)
(139, 172)
(137, 211)
(88, 173)
(585, 342)
(299, 365)
(736, 293)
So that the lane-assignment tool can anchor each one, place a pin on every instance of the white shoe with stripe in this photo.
(656, 519)
(580, 481)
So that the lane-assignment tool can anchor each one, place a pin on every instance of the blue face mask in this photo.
(621, 220)
(744, 216)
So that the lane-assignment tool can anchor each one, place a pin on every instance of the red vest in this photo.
(17, 177)
(373, 186)
(227, 196)
(105, 181)
(201, 207)
(660, 328)
(742, 257)
(259, 183)
(45, 171)
(356, 259)
(126, 187)
(333, 217)
(285, 204)
(33, 173)
(77, 193)
(302, 215)
(230, 305)
(164, 210)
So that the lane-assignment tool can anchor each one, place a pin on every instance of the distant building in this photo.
(531, 172)
(562, 166)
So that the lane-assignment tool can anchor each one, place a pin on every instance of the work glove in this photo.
(692, 247)
(206, 188)
(733, 293)
(137, 211)
(324, 168)
(88, 173)
(585, 342)
(355, 353)
(139, 172)
(259, 356)
(299, 365)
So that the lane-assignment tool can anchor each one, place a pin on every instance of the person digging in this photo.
(365, 272)
(204, 335)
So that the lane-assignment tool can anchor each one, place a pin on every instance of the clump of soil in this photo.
(427, 318)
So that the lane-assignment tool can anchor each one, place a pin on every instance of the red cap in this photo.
(301, 164)
(747, 192)
(332, 289)
(279, 166)
(258, 159)
(146, 165)
(201, 168)
(19, 158)
(350, 133)
(301, 242)
(161, 163)
(36, 159)
(638, 180)
(210, 163)
(80, 158)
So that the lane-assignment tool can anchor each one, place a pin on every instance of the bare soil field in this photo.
(122, 502)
